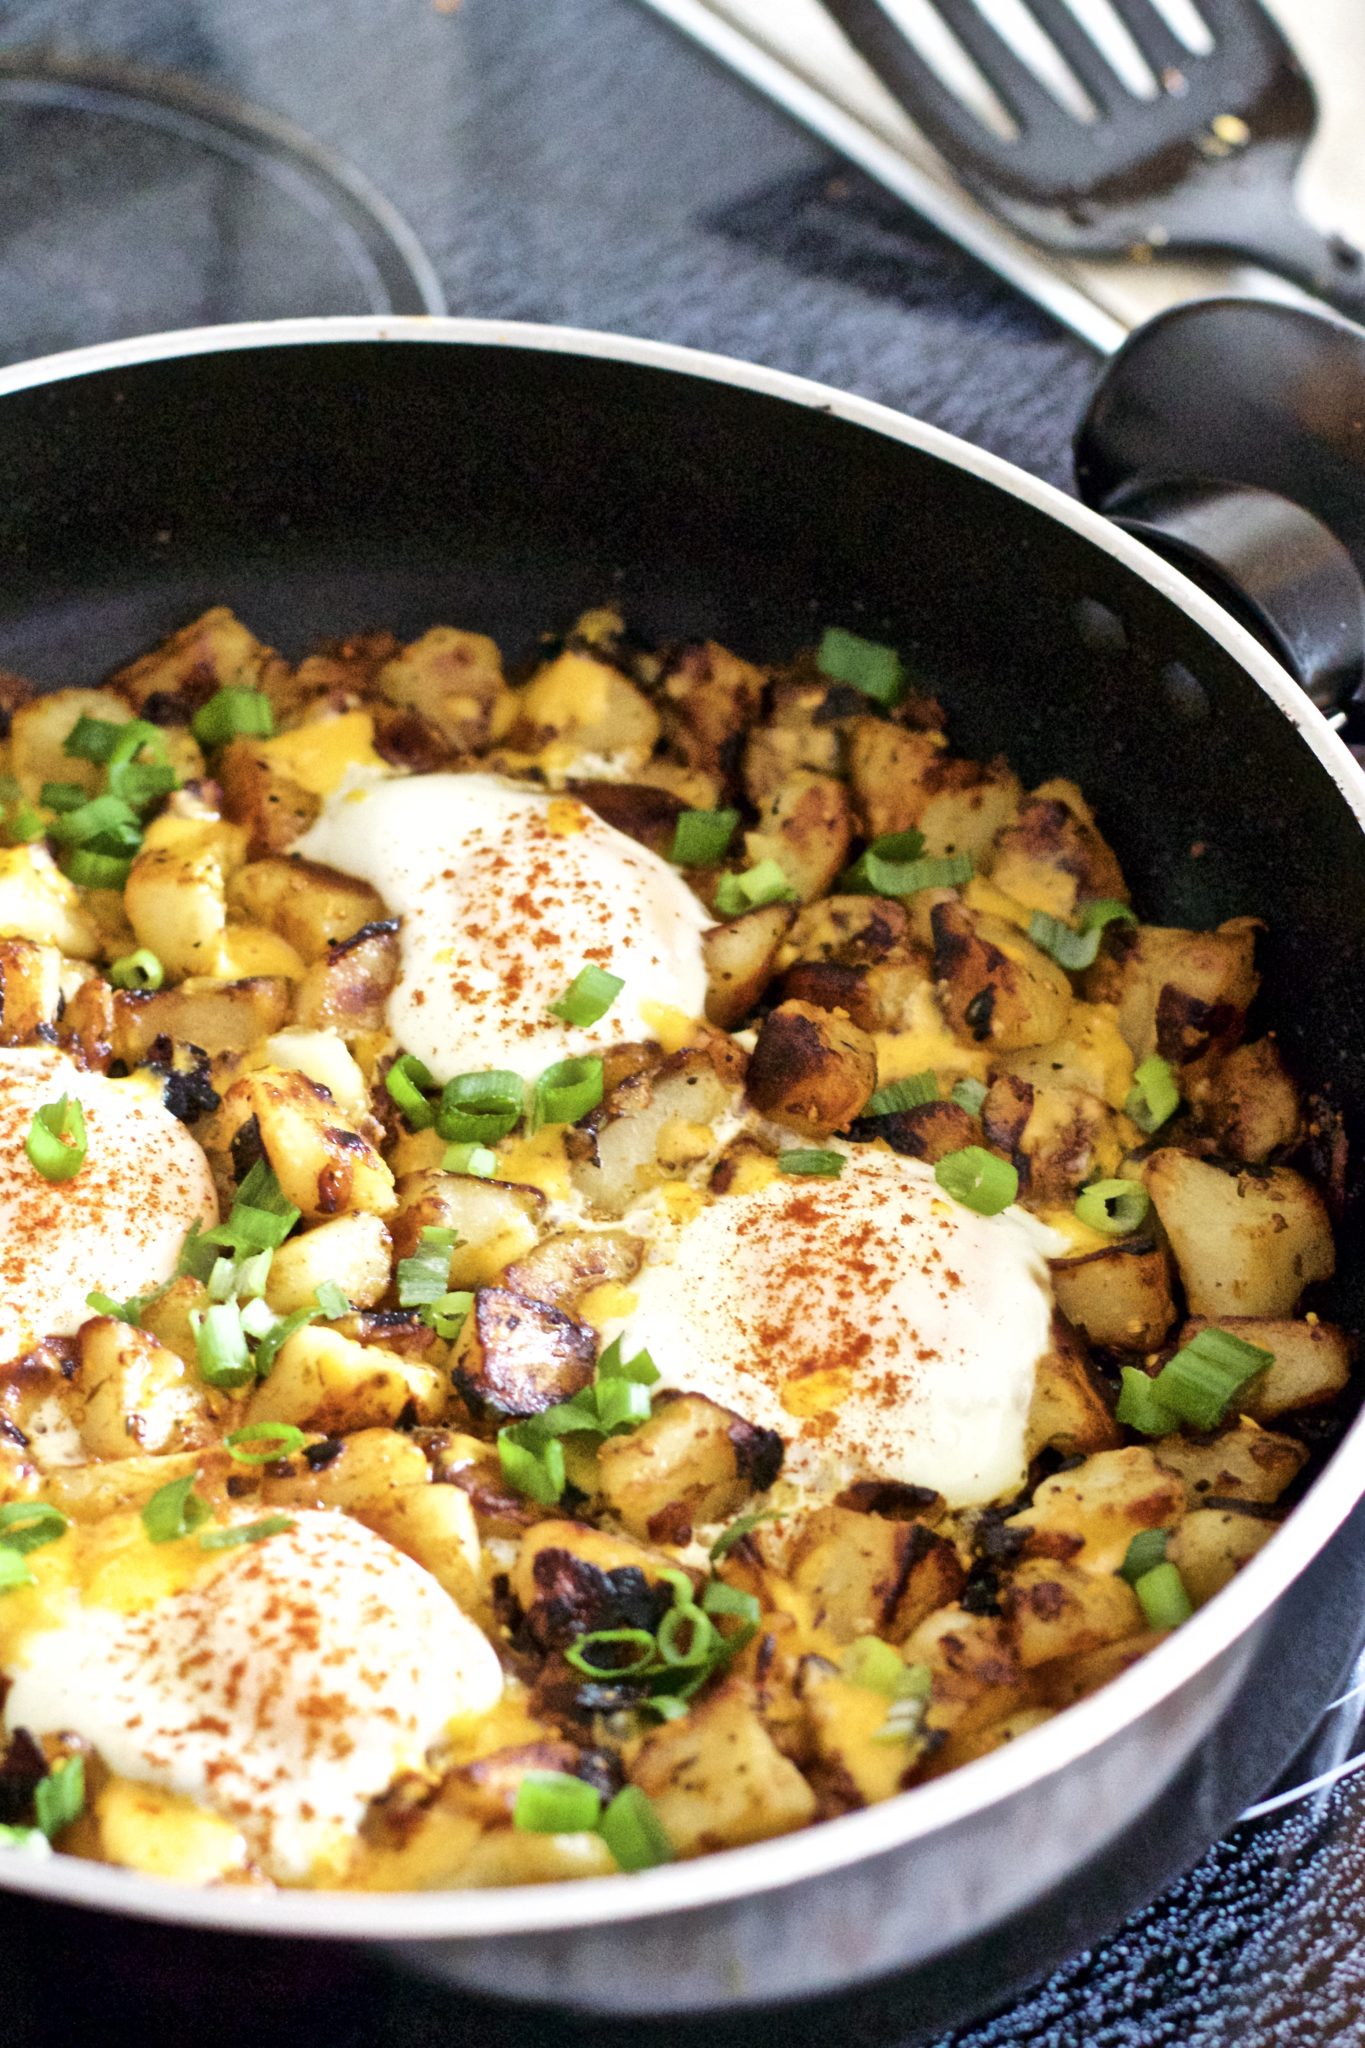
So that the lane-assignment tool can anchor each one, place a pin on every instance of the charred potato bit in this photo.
(811, 1069)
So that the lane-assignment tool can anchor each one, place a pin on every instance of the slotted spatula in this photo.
(1207, 163)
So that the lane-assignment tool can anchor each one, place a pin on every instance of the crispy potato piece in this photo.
(260, 795)
(1051, 858)
(30, 989)
(930, 1131)
(313, 907)
(692, 1462)
(560, 1268)
(539, 1577)
(167, 1316)
(712, 696)
(966, 814)
(39, 731)
(1090, 1055)
(1246, 1244)
(623, 1139)
(1211, 1546)
(1056, 1609)
(892, 773)
(1067, 1412)
(975, 1667)
(214, 652)
(1312, 1361)
(494, 1221)
(1120, 1296)
(851, 931)
(351, 1251)
(1182, 994)
(638, 809)
(454, 679)
(866, 1575)
(324, 1168)
(739, 961)
(774, 754)
(138, 1396)
(1250, 1104)
(811, 1069)
(362, 1473)
(517, 1357)
(325, 1058)
(176, 896)
(1068, 1679)
(324, 1381)
(588, 706)
(1089, 1516)
(435, 1526)
(996, 986)
(806, 826)
(348, 989)
(225, 1017)
(38, 902)
(1055, 1136)
(717, 1779)
(1244, 1462)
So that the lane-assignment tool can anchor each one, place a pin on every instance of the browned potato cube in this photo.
(852, 931)
(930, 1131)
(1120, 1297)
(892, 773)
(1068, 1413)
(714, 696)
(806, 826)
(138, 1397)
(313, 907)
(1246, 1244)
(30, 989)
(845, 1723)
(517, 1357)
(1059, 1610)
(579, 1575)
(656, 1123)
(348, 989)
(717, 1778)
(323, 1167)
(260, 795)
(1250, 1104)
(1051, 858)
(453, 679)
(1182, 994)
(866, 1575)
(1211, 1546)
(996, 986)
(560, 1268)
(811, 1069)
(1243, 1463)
(1312, 1361)
(975, 1666)
(214, 652)
(325, 1381)
(494, 1221)
(230, 1017)
(692, 1462)
(739, 961)
(1090, 1515)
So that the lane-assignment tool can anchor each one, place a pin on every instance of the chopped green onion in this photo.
(473, 1159)
(969, 1095)
(720, 1598)
(978, 1179)
(59, 1798)
(425, 1275)
(409, 1082)
(1141, 1407)
(633, 1832)
(1206, 1374)
(175, 1510)
(273, 1341)
(139, 970)
(905, 1716)
(553, 1803)
(14, 1573)
(31, 1839)
(1114, 1207)
(764, 883)
(621, 1405)
(876, 670)
(1154, 1097)
(893, 850)
(331, 1299)
(911, 1093)
(1077, 947)
(739, 1529)
(92, 739)
(1145, 1552)
(874, 873)
(63, 796)
(258, 1318)
(820, 1165)
(448, 1313)
(261, 1217)
(30, 1525)
(271, 1440)
(232, 712)
(23, 825)
(1164, 1601)
(612, 1365)
(641, 1643)
(245, 1532)
(240, 1279)
(56, 1142)
(94, 869)
(220, 1344)
(588, 997)
(871, 1663)
(685, 1638)
(566, 1091)
(105, 822)
(480, 1108)
(702, 838)
(129, 1311)
(535, 1468)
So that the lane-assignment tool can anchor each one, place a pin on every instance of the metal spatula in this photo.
(1207, 162)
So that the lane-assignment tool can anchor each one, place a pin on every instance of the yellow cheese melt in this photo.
(317, 756)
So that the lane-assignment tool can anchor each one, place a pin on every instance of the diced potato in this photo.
(1051, 858)
(589, 707)
(717, 1779)
(965, 815)
(435, 1525)
(1246, 1244)
(165, 1835)
(1067, 1413)
(715, 695)
(117, 1486)
(351, 1251)
(697, 1086)
(1059, 1610)
(259, 794)
(1090, 1515)
(38, 902)
(324, 1381)
(1090, 1054)
(214, 652)
(176, 898)
(975, 1667)
(1244, 1462)
(1312, 1361)
(739, 961)
(137, 1395)
(1120, 1296)
(866, 1575)
(517, 1357)
(314, 907)
(1182, 994)
(845, 1721)
(1211, 1546)
(494, 1221)
(601, 1551)
(892, 772)
(1068, 1679)
(324, 1168)
(851, 931)
(453, 678)
(981, 1741)
(169, 1317)
(561, 1268)
(39, 731)
(1250, 1103)
(692, 1462)
(348, 989)
(773, 754)
(215, 1018)
(997, 987)
(368, 1472)
(30, 989)
(324, 1057)
(811, 1069)
(806, 826)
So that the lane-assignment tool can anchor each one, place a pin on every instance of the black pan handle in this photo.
(1229, 434)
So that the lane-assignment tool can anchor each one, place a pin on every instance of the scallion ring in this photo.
(408, 1083)
(818, 1165)
(232, 713)
(567, 1091)
(701, 839)
(979, 1179)
(30, 1525)
(1163, 1598)
(174, 1510)
(271, 1440)
(868, 665)
(1154, 1097)
(639, 1640)
(588, 997)
(911, 1093)
(56, 1144)
(137, 970)
(478, 1109)
(245, 1532)
(633, 1831)
(1113, 1207)
(553, 1803)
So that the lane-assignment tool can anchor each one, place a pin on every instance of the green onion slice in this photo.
(612, 1365)
(867, 665)
(1145, 1552)
(1075, 947)
(911, 1093)
(139, 970)
(175, 1510)
(261, 1443)
(92, 739)
(566, 1091)
(1207, 1374)
(553, 1803)
(245, 1532)
(588, 997)
(480, 1108)
(129, 1311)
(685, 1637)
(31, 1839)
(472, 1159)
(62, 796)
(1141, 1407)
(274, 1340)
(978, 1179)
(633, 1831)
(638, 1642)
(739, 1529)
(409, 1082)
(448, 1314)
(96, 869)
(331, 1299)
(231, 713)
(59, 1798)
(56, 1143)
(31, 1524)
(425, 1275)
(819, 1165)
(892, 849)
(764, 883)
(1154, 1097)
(702, 838)
(261, 1217)
(970, 1095)
(14, 1573)
(1164, 1601)
(1114, 1207)
(894, 866)
(24, 824)
(535, 1468)
(220, 1345)
(105, 822)
(871, 1663)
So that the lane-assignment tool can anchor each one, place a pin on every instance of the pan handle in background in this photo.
(1229, 434)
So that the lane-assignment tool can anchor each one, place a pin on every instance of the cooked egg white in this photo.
(281, 1684)
(883, 1329)
(505, 894)
(118, 1226)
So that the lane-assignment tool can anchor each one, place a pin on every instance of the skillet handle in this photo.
(1229, 434)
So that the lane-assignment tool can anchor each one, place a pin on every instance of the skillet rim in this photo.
(785, 1860)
